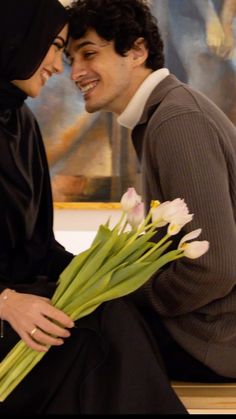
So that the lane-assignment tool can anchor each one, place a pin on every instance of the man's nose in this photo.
(77, 72)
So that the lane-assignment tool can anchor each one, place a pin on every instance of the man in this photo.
(187, 149)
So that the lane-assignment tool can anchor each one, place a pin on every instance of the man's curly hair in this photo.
(120, 21)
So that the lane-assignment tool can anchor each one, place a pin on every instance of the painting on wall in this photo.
(91, 158)
(199, 38)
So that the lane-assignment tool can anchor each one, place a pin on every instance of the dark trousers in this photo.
(179, 364)
(110, 365)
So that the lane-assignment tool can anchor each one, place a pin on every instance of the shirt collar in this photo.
(133, 111)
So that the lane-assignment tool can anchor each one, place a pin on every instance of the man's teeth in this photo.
(85, 89)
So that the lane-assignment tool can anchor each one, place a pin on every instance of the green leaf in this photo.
(121, 256)
(102, 235)
(157, 252)
(87, 293)
(139, 252)
(70, 272)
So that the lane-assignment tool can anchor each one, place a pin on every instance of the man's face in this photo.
(103, 76)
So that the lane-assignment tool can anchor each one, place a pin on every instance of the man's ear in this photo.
(139, 51)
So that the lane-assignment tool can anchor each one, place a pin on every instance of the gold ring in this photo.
(33, 331)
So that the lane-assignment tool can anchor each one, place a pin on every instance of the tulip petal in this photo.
(195, 249)
(130, 199)
(136, 215)
(190, 236)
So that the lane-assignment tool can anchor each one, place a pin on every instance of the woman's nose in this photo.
(58, 63)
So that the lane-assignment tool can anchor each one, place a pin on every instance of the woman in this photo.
(29, 252)
(108, 363)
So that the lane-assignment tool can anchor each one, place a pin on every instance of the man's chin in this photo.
(92, 108)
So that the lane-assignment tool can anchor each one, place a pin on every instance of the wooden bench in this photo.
(207, 398)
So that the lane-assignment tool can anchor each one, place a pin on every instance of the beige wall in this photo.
(75, 229)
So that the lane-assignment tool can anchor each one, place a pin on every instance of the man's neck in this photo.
(138, 78)
(133, 111)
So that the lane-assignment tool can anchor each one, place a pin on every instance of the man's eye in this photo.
(89, 54)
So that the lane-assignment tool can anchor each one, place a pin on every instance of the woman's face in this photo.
(52, 63)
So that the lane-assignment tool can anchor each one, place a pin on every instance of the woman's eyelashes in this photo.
(59, 43)
(59, 46)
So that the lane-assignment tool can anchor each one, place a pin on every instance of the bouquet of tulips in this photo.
(119, 261)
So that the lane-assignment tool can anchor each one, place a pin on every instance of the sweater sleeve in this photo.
(187, 160)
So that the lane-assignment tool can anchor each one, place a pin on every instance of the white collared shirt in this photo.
(133, 111)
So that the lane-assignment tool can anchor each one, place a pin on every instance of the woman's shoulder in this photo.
(28, 118)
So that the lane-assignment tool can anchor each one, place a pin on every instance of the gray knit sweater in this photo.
(188, 150)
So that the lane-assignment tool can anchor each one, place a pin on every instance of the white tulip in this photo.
(194, 249)
(174, 212)
(190, 236)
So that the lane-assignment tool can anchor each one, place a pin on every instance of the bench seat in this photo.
(207, 398)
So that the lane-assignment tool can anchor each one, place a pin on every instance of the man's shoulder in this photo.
(173, 98)
(175, 92)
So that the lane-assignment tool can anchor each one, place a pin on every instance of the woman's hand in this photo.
(35, 320)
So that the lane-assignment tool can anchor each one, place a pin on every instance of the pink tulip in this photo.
(136, 215)
(130, 199)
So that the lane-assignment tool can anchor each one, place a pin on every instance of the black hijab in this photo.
(27, 29)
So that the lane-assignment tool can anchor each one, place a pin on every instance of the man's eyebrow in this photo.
(83, 44)
(78, 46)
